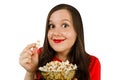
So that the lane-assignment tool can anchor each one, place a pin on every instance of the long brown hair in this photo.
(77, 55)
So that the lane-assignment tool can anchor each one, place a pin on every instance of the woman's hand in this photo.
(29, 58)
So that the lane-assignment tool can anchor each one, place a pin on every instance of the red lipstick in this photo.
(58, 40)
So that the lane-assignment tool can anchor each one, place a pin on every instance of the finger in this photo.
(26, 61)
(35, 50)
(26, 51)
(22, 57)
(25, 55)
(29, 51)
(31, 46)
(23, 62)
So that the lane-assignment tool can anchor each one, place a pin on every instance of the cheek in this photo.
(70, 34)
(49, 34)
(71, 38)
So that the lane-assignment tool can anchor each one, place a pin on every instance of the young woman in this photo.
(64, 40)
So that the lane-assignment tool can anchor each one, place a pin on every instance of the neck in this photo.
(61, 56)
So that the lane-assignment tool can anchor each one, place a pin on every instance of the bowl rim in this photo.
(58, 71)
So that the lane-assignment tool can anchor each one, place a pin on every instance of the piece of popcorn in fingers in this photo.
(37, 43)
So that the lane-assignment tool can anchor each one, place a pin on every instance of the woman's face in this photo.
(61, 33)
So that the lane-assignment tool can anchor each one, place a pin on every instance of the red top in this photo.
(94, 68)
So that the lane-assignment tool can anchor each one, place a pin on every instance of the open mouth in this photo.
(58, 40)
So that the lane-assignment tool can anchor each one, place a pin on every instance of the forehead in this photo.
(60, 15)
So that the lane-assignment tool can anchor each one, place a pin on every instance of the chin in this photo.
(58, 49)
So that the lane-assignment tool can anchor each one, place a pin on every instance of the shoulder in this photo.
(94, 62)
(94, 59)
(39, 50)
(94, 68)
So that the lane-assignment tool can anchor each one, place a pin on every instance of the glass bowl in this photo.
(58, 75)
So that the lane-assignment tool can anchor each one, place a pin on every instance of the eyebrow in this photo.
(66, 20)
(62, 20)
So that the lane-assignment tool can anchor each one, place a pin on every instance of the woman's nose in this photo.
(57, 32)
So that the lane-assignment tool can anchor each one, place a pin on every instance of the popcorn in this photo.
(58, 66)
(55, 70)
(37, 43)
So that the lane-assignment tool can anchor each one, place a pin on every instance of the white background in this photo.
(23, 22)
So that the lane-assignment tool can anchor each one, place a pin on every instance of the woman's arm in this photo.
(29, 60)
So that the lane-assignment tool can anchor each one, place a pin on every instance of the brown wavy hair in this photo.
(77, 55)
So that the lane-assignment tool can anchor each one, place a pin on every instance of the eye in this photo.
(51, 26)
(65, 25)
